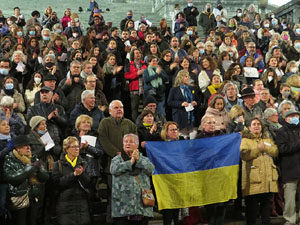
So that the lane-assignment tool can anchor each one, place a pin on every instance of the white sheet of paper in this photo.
(46, 139)
(64, 57)
(20, 67)
(90, 139)
(40, 59)
(189, 108)
(127, 43)
(251, 72)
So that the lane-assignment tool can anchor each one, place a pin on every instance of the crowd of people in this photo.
(78, 105)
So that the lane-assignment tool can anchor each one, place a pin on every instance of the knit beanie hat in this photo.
(35, 121)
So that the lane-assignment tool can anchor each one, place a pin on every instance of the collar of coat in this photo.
(247, 134)
(209, 14)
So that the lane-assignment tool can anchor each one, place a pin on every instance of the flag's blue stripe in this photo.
(172, 157)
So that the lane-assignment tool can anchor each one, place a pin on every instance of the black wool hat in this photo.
(247, 92)
(21, 140)
(150, 99)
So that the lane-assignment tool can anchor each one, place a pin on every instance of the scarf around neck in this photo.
(23, 158)
(73, 163)
(157, 81)
(135, 171)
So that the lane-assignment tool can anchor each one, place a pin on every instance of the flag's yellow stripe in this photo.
(196, 188)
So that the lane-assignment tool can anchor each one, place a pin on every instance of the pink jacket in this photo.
(221, 117)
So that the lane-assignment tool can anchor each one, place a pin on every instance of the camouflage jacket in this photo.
(126, 192)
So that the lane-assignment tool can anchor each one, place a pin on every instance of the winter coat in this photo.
(18, 176)
(191, 17)
(72, 93)
(233, 127)
(221, 117)
(256, 111)
(61, 101)
(145, 135)
(131, 75)
(179, 114)
(16, 124)
(159, 91)
(4, 150)
(287, 140)
(126, 192)
(38, 150)
(96, 114)
(18, 98)
(111, 133)
(30, 94)
(180, 31)
(204, 80)
(259, 174)
(56, 125)
(92, 155)
(72, 203)
(208, 21)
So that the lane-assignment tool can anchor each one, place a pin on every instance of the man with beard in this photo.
(177, 53)
(251, 51)
(72, 86)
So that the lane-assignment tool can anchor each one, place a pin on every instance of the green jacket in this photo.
(126, 192)
(111, 134)
(18, 175)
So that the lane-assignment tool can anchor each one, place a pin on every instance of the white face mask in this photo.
(37, 80)
(239, 14)
(294, 70)
(267, 25)
(9, 22)
(75, 35)
(270, 78)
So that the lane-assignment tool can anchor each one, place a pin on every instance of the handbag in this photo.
(147, 195)
(19, 202)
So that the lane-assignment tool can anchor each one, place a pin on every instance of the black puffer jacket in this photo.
(4, 150)
(56, 125)
(72, 203)
(288, 143)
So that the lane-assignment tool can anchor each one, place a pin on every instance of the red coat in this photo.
(132, 76)
(64, 21)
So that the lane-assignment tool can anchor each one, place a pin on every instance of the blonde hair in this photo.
(179, 77)
(67, 143)
(81, 119)
(164, 130)
(235, 111)
(293, 80)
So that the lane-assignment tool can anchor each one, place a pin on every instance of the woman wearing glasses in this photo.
(72, 175)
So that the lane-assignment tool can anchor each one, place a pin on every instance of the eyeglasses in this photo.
(75, 146)
(210, 123)
(174, 130)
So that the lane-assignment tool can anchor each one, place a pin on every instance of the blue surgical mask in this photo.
(297, 45)
(19, 33)
(40, 132)
(274, 23)
(58, 31)
(46, 38)
(9, 86)
(190, 4)
(189, 32)
(4, 71)
(294, 120)
(201, 51)
(32, 32)
(298, 30)
(230, 54)
(129, 17)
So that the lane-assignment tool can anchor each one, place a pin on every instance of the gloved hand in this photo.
(30, 169)
(37, 164)
(10, 144)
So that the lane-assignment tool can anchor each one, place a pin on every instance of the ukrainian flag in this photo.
(195, 172)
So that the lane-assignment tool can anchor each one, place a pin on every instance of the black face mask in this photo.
(78, 58)
(49, 64)
(220, 7)
(208, 10)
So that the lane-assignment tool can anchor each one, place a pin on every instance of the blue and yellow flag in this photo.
(195, 172)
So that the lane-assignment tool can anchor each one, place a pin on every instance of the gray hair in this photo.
(45, 29)
(135, 137)
(204, 119)
(210, 43)
(113, 102)
(269, 112)
(86, 93)
(228, 85)
(6, 101)
(49, 56)
(283, 103)
(74, 62)
(18, 52)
